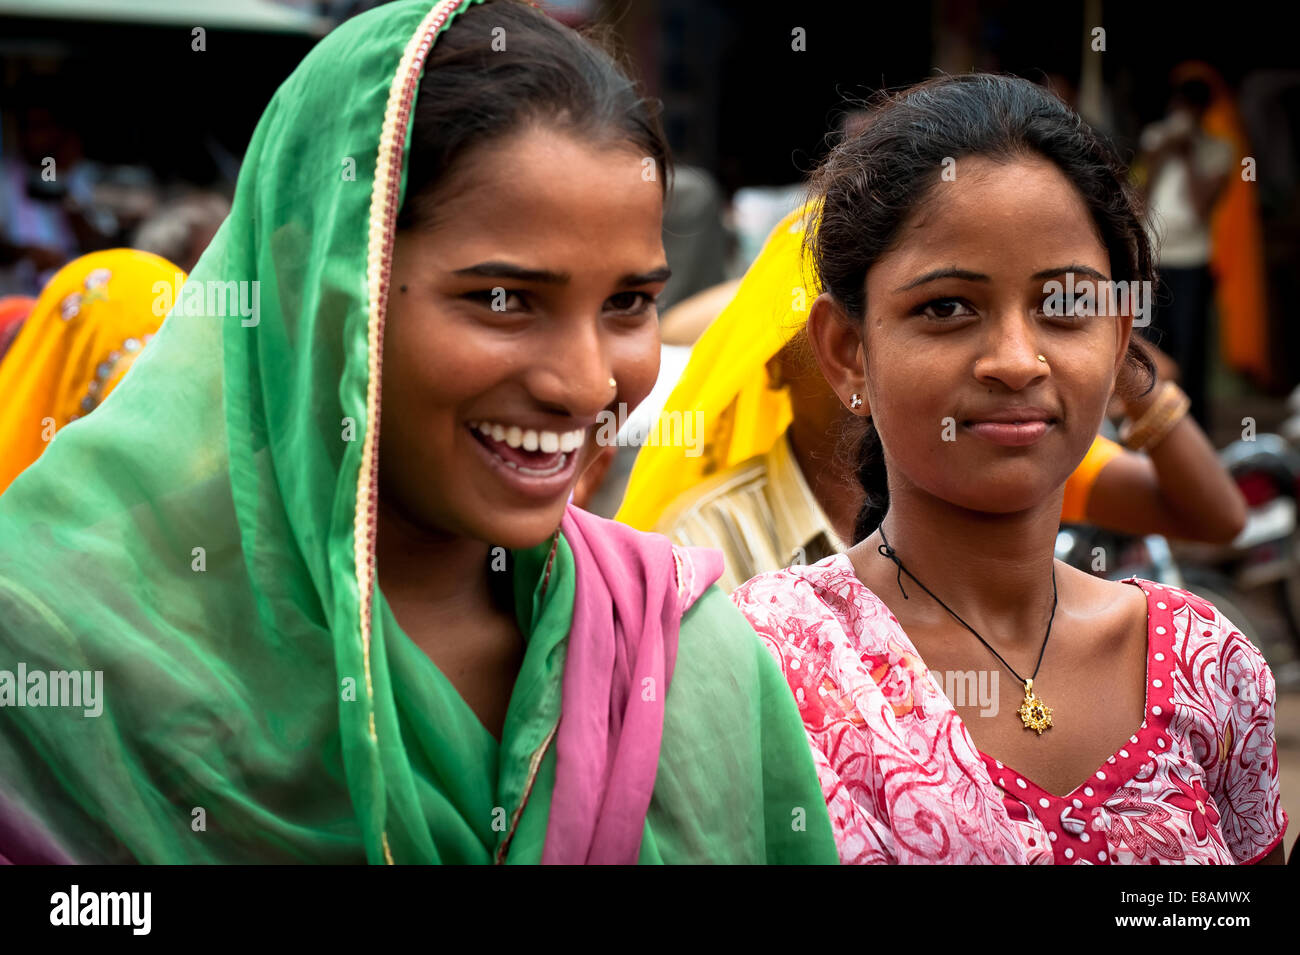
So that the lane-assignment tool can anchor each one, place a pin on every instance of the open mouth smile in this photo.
(538, 463)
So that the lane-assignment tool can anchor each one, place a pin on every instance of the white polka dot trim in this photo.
(1020, 782)
(1044, 803)
(1069, 853)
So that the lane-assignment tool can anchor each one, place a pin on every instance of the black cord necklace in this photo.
(1034, 713)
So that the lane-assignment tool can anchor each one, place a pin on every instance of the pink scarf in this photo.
(632, 590)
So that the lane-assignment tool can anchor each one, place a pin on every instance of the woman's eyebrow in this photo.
(969, 276)
(660, 274)
(944, 274)
(1077, 269)
(518, 273)
(506, 270)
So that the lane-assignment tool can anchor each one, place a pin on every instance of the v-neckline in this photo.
(1126, 761)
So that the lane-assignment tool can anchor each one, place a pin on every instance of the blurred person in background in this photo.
(180, 229)
(1187, 169)
(774, 485)
(83, 334)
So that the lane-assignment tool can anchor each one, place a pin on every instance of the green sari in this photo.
(205, 542)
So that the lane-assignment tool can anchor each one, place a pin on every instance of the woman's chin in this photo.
(525, 528)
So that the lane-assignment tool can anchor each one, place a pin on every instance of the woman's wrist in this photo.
(1147, 427)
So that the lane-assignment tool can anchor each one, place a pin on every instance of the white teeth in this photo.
(548, 442)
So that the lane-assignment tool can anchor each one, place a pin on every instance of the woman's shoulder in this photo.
(821, 603)
(1209, 655)
(621, 549)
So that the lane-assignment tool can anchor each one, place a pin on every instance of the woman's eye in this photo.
(499, 299)
(630, 303)
(1065, 311)
(945, 309)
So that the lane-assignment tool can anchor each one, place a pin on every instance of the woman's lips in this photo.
(1013, 434)
(537, 474)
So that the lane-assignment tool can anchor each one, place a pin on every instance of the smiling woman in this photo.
(1139, 720)
(326, 640)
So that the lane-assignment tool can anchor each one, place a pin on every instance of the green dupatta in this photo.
(205, 540)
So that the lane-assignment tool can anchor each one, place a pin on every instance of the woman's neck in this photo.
(994, 570)
(442, 569)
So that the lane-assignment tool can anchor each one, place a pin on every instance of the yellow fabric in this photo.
(1078, 487)
(85, 329)
(725, 383)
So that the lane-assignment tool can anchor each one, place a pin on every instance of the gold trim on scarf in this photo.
(382, 226)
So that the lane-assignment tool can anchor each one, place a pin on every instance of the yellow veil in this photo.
(725, 383)
(84, 331)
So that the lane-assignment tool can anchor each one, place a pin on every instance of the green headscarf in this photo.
(205, 539)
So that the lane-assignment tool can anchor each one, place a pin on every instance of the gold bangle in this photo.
(1161, 418)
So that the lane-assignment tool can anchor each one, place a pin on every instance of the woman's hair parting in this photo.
(503, 65)
(876, 177)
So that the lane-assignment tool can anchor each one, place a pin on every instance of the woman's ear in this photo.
(836, 342)
(1125, 333)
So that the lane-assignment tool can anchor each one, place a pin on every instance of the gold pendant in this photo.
(1034, 713)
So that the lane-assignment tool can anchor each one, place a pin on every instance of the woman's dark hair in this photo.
(474, 90)
(872, 181)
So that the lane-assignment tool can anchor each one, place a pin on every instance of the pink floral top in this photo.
(1197, 783)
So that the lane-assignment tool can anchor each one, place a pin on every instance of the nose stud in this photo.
(613, 384)
(1042, 358)
(855, 401)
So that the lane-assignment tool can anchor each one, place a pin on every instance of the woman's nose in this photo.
(576, 376)
(1011, 354)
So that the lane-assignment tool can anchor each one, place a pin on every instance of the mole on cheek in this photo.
(403, 289)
